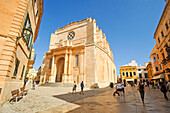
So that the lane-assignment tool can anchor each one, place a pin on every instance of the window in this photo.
(160, 66)
(146, 75)
(158, 40)
(140, 75)
(27, 25)
(162, 34)
(77, 60)
(130, 74)
(22, 71)
(163, 55)
(139, 69)
(156, 68)
(134, 73)
(166, 25)
(133, 68)
(129, 69)
(127, 74)
(35, 1)
(16, 67)
(154, 58)
(123, 69)
(123, 74)
(157, 56)
(145, 69)
(50, 64)
(36, 13)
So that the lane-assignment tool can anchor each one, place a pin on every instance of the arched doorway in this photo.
(60, 70)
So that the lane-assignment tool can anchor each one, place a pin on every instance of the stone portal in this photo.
(60, 70)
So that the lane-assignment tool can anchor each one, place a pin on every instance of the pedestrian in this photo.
(33, 85)
(123, 90)
(153, 84)
(145, 84)
(82, 86)
(157, 86)
(131, 84)
(168, 86)
(119, 88)
(164, 90)
(141, 90)
(25, 81)
(148, 84)
(74, 87)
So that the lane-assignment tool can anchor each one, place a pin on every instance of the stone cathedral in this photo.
(79, 52)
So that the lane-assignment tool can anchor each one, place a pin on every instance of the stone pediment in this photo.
(74, 23)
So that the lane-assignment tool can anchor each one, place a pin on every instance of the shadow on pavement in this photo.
(71, 97)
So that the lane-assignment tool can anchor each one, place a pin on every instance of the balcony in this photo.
(69, 43)
(31, 62)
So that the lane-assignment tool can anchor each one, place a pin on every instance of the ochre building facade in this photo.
(161, 52)
(79, 52)
(15, 16)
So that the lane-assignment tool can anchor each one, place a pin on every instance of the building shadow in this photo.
(72, 97)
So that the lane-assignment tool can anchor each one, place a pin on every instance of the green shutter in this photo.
(16, 67)
(26, 73)
(30, 42)
(22, 71)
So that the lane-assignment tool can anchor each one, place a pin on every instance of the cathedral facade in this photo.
(79, 52)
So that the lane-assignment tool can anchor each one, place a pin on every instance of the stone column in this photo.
(69, 67)
(55, 69)
(64, 78)
(81, 76)
(52, 70)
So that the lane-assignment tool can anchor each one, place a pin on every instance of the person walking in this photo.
(153, 85)
(25, 82)
(148, 84)
(123, 89)
(168, 86)
(141, 90)
(82, 86)
(164, 90)
(74, 87)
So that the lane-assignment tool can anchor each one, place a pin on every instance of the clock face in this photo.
(71, 35)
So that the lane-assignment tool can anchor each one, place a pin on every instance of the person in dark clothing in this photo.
(153, 84)
(141, 90)
(82, 86)
(164, 90)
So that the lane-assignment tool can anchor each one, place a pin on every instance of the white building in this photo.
(132, 63)
(142, 72)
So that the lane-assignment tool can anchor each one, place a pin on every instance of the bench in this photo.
(15, 95)
(23, 91)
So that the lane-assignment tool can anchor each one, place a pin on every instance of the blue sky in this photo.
(129, 25)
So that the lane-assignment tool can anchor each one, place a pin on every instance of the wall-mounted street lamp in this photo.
(26, 32)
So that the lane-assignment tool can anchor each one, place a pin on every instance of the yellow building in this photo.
(128, 72)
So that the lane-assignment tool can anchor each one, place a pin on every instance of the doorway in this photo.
(60, 69)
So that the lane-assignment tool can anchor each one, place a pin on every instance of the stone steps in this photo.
(57, 84)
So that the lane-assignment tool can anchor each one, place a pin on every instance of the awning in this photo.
(159, 76)
(129, 80)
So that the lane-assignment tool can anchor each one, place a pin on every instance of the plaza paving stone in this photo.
(107, 103)
(61, 100)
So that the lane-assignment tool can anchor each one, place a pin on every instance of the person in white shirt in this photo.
(118, 89)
